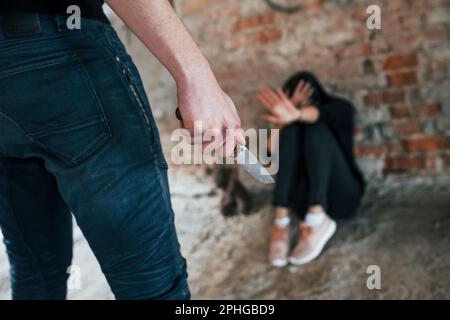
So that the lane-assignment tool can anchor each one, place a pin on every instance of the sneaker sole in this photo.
(279, 262)
(330, 232)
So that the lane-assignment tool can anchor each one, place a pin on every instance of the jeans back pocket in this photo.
(55, 103)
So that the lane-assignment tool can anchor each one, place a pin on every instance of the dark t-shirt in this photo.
(91, 9)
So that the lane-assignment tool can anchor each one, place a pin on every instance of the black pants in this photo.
(313, 171)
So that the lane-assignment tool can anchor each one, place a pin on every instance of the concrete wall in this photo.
(397, 77)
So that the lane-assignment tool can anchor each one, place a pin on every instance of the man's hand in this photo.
(206, 102)
(200, 97)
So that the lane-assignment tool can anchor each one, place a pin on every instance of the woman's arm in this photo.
(283, 111)
(309, 114)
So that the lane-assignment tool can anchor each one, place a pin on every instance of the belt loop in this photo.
(61, 24)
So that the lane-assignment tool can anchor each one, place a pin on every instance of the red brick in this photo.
(398, 6)
(405, 163)
(366, 49)
(401, 41)
(359, 14)
(436, 35)
(237, 42)
(402, 79)
(195, 6)
(362, 150)
(230, 11)
(361, 32)
(312, 5)
(254, 21)
(408, 127)
(386, 97)
(401, 61)
(266, 36)
(394, 148)
(446, 160)
(402, 163)
(430, 143)
(339, 22)
(392, 97)
(430, 110)
(349, 51)
(401, 112)
(371, 99)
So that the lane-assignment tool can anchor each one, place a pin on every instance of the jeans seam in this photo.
(67, 127)
(120, 66)
(26, 44)
(30, 251)
(181, 266)
(163, 186)
(140, 102)
(13, 122)
(35, 66)
(100, 108)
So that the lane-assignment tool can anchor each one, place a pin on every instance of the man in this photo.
(77, 135)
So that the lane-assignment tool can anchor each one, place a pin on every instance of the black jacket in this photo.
(338, 114)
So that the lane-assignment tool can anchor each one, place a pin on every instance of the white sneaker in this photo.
(279, 245)
(312, 240)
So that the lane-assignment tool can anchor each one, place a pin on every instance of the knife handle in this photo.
(178, 114)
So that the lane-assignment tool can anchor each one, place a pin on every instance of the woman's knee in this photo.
(291, 131)
(317, 134)
(317, 128)
(290, 137)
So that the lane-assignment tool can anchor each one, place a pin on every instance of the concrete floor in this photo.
(403, 227)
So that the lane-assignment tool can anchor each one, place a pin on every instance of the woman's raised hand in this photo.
(282, 110)
(302, 94)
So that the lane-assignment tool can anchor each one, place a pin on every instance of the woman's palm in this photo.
(282, 110)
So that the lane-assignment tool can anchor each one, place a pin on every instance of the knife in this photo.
(247, 160)
(251, 164)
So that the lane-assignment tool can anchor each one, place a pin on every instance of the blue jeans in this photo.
(77, 136)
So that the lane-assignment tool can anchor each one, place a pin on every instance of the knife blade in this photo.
(251, 164)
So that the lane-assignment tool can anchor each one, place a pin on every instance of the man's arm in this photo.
(200, 97)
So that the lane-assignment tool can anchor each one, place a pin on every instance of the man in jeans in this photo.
(77, 135)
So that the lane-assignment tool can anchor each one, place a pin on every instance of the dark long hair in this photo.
(319, 97)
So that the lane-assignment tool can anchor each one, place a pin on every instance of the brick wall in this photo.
(397, 77)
